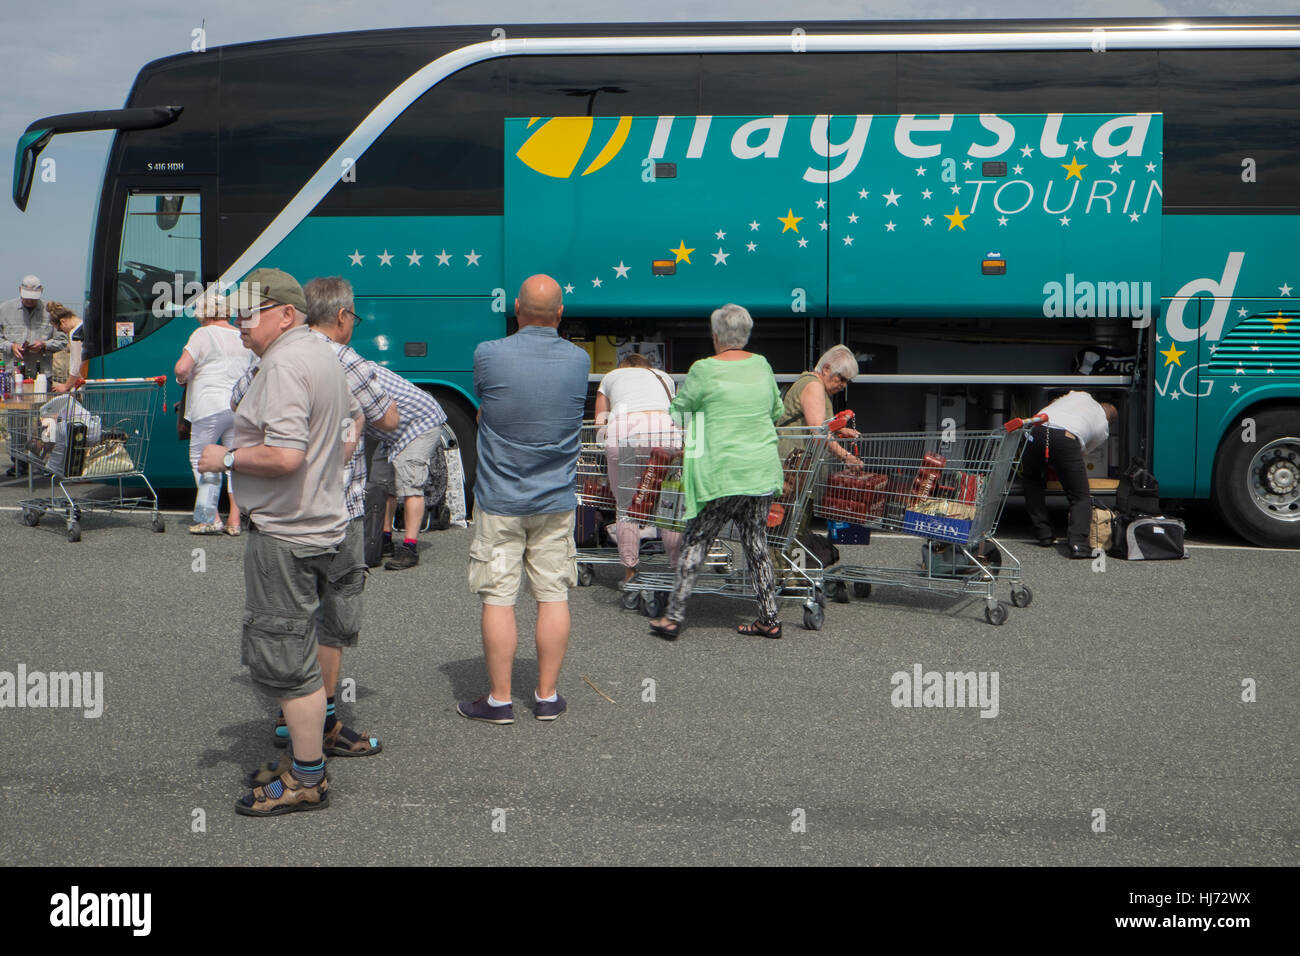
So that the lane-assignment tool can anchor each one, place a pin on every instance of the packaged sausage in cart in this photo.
(644, 500)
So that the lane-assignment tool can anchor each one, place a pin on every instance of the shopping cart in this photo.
(948, 489)
(658, 499)
(99, 432)
(594, 493)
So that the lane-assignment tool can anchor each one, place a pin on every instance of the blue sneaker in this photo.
(549, 709)
(481, 710)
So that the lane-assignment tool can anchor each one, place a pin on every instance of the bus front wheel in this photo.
(1257, 483)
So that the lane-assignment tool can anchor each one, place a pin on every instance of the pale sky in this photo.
(72, 55)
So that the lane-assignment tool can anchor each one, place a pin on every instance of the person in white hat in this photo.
(28, 338)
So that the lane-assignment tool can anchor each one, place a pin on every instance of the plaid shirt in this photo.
(364, 383)
(420, 413)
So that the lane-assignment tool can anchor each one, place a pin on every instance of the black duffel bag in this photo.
(1138, 491)
(1143, 537)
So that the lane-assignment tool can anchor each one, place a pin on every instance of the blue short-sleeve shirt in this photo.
(532, 389)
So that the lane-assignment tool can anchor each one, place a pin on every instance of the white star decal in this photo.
(927, 221)
(1159, 339)
(863, 194)
(568, 289)
(1254, 348)
(620, 270)
(967, 165)
(920, 170)
(891, 198)
(596, 283)
(444, 258)
(1240, 370)
(472, 258)
(803, 243)
(1242, 313)
(1065, 220)
(1174, 396)
(413, 258)
(385, 259)
(356, 257)
(853, 217)
(848, 240)
(1284, 289)
(1151, 167)
(1133, 217)
(823, 225)
(1213, 348)
(955, 189)
(751, 246)
(1002, 220)
(1080, 143)
(1026, 150)
(720, 235)
(821, 203)
(1235, 388)
(1017, 169)
(926, 194)
(1115, 167)
(753, 226)
(889, 227)
(720, 257)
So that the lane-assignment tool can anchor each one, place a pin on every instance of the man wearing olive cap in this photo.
(295, 429)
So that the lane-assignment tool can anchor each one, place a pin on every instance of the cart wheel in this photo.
(1022, 596)
(74, 531)
(996, 613)
(630, 600)
(839, 592)
(158, 524)
(653, 603)
(861, 589)
(819, 595)
(31, 517)
(813, 617)
(586, 574)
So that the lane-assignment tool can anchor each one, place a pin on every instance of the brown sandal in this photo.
(759, 629)
(343, 742)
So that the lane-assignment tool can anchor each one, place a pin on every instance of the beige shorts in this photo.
(542, 544)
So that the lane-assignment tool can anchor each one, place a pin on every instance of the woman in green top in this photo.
(730, 471)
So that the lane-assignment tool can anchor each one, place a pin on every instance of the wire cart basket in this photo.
(97, 433)
(595, 492)
(947, 489)
(658, 499)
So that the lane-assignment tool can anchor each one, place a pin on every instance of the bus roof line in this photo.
(428, 76)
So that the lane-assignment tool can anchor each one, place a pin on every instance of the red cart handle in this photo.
(1017, 423)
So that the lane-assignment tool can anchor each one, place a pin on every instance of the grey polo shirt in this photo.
(299, 399)
(532, 388)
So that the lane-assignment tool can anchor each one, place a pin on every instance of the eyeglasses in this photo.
(355, 318)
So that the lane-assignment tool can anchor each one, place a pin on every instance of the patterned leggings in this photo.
(749, 512)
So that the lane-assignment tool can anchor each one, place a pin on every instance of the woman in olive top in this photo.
(808, 399)
(730, 471)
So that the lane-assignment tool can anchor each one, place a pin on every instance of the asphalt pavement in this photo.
(1118, 690)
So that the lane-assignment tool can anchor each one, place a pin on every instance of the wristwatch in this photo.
(229, 460)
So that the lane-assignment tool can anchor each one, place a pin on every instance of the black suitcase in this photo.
(373, 524)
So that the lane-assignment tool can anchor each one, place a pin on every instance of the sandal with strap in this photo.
(284, 795)
(345, 742)
(759, 629)
(670, 631)
(269, 771)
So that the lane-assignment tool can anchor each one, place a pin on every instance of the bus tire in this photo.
(1257, 484)
(462, 422)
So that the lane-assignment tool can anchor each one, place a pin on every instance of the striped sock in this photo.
(307, 774)
(330, 718)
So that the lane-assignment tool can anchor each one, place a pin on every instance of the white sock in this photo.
(546, 700)
(493, 702)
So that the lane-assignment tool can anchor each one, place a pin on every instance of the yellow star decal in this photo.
(1074, 168)
(790, 221)
(956, 220)
(683, 254)
(1172, 355)
(1279, 323)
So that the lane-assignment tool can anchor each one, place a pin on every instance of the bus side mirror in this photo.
(167, 211)
(30, 145)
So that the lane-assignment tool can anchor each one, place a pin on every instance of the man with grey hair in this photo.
(28, 338)
(294, 430)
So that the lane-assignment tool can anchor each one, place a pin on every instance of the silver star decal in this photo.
(1017, 169)
(1115, 167)
(596, 283)
(1002, 220)
(967, 165)
(853, 217)
(803, 243)
(413, 259)
(720, 235)
(1065, 220)
(891, 198)
(753, 226)
(751, 246)
(1151, 167)
(444, 258)
(821, 203)
(356, 257)
(927, 221)
(1242, 313)
(1133, 217)
(472, 258)
(1080, 143)
(926, 194)
(720, 257)
(1026, 150)
(620, 270)
(889, 227)
(385, 259)
(1284, 289)
(848, 240)
(1235, 388)
(955, 189)
(568, 289)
